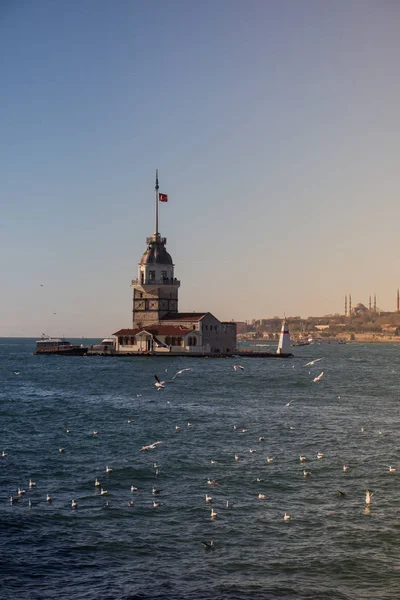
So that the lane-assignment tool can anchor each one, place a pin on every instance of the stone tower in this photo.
(155, 291)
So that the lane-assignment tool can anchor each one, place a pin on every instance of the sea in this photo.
(213, 432)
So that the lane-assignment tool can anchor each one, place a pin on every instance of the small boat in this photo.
(106, 347)
(61, 346)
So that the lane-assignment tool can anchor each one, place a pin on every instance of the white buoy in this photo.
(284, 339)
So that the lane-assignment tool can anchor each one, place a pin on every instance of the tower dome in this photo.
(156, 253)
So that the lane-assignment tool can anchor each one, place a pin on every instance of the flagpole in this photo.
(156, 189)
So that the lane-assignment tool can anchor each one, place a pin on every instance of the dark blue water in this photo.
(331, 548)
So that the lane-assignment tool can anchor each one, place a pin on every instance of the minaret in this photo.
(284, 339)
(398, 301)
(374, 303)
(345, 306)
(349, 305)
(155, 291)
(369, 304)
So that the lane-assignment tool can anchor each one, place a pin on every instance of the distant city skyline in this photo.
(274, 127)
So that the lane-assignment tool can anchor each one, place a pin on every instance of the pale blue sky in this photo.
(275, 128)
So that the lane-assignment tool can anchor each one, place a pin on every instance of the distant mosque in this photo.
(361, 309)
(157, 325)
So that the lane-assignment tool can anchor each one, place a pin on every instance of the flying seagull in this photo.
(318, 378)
(149, 447)
(237, 367)
(181, 371)
(159, 384)
(312, 362)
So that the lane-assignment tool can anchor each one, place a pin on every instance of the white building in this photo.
(157, 326)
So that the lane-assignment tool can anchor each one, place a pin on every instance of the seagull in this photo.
(149, 447)
(213, 513)
(312, 362)
(67, 431)
(261, 496)
(229, 504)
(31, 483)
(156, 504)
(346, 467)
(133, 488)
(131, 503)
(392, 469)
(159, 384)
(103, 492)
(237, 367)
(306, 473)
(4, 453)
(177, 427)
(49, 498)
(302, 459)
(20, 492)
(97, 483)
(261, 438)
(208, 545)
(341, 493)
(181, 371)
(319, 377)
(30, 503)
(252, 451)
(212, 482)
(259, 479)
(209, 498)
(74, 504)
(320, 455)
(155, 491)
(368, 496)
(213, 462)
(16, 372)
(109, 469)
(289, 403)
(236, 457)
(156, 466)
(269, 459)
(95, 433)
(286, 517)
(189, 425)
(61, 450)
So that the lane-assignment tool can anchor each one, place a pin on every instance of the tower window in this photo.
(152, 275)
(163, 274)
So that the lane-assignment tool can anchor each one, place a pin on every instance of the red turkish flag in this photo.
(163, 197)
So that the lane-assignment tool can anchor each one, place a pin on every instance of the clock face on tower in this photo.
(139, 305)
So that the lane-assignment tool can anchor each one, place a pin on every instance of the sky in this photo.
(275, 129)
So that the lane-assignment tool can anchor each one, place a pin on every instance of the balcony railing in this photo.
(163, 281)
